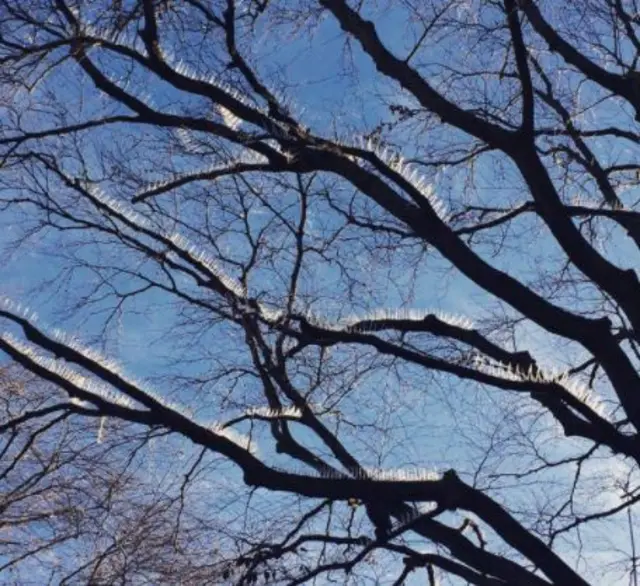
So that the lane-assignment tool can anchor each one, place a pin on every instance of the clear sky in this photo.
(336, 92)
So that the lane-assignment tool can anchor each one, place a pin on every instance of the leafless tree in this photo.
(238, 211)
(85, 500)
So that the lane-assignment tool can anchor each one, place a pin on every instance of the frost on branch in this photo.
(417, 511)
(92, 386)
(116, 207)
(240, 439)
(269, 413)
(229, 118)
(248, 162)
(206, 260)
(373, 474)
(61, 368)
(18, 309)
(379, 319)
(536, 375)
(86, 384)
(182, 245)
(411, 175)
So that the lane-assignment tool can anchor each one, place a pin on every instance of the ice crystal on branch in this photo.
(229, 118)
(534, 374)
(242, 440)
(269, 413)
(82, 382)
(409, 173)
(204, 259)
(384, 318)
(17, 308)
(415, 474)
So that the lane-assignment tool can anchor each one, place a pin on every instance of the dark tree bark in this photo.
(247, 204)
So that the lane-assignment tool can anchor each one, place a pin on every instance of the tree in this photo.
(249, 204)
(81, 502)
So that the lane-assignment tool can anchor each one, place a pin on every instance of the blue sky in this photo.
(428, 406)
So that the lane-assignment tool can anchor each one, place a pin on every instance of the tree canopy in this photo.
(319, 291)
